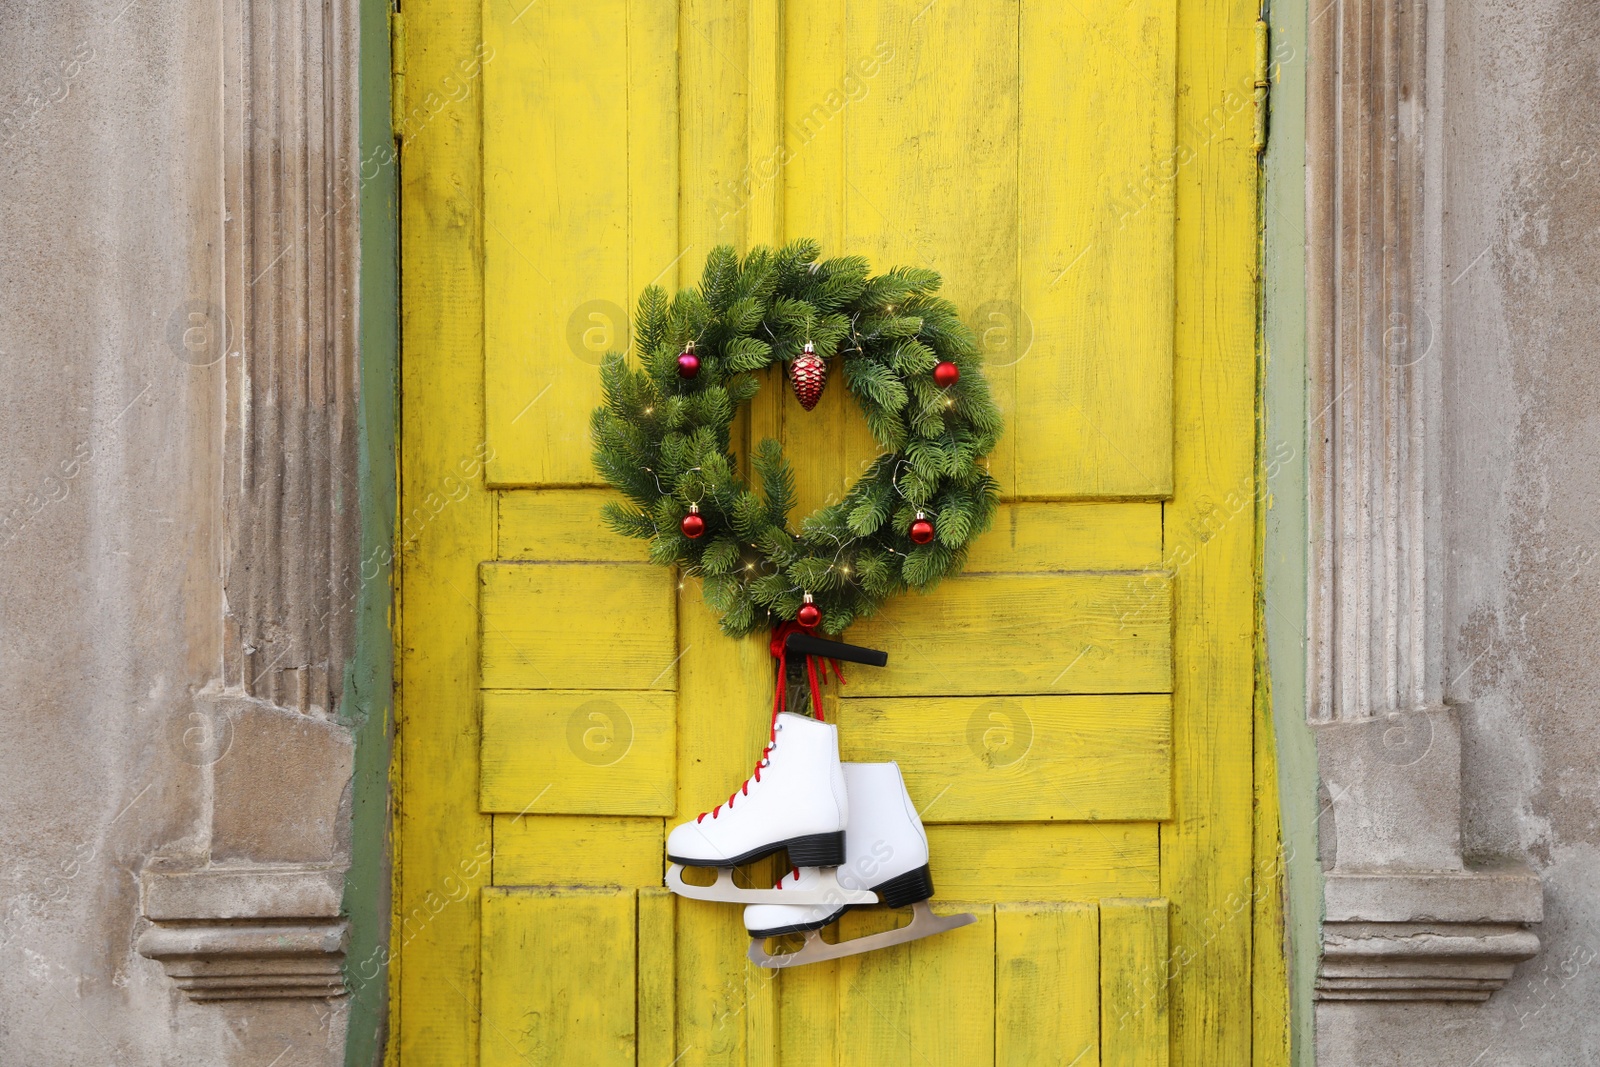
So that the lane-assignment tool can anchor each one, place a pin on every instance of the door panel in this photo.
(980, 634)
(555, 850)
(577, 626)
(558, 977)
(579, 199)
(625, 743)
(1133, 983)
(1020, 759)
(1041, 953)
(1072, 714)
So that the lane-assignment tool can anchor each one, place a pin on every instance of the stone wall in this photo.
(1519, 178)
(175, 828)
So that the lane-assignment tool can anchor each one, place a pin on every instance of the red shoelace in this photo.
(776, 647)
(755, 775)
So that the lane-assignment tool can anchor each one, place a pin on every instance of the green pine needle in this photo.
(665, 442)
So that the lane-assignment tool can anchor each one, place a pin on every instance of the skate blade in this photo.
(830, 892)
(924, 923)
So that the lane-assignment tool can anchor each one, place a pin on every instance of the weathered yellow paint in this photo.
(559, 173)
(1094, 394)
(587, 850)
(594, 752)
(434, 965)
(584, 941)
(1206, 849)
(1043, 861)
(1045, 1012)
(717, 747)
(981, 634)
(560, 526)
(578, 626)
(1018, 759)
(657, 998)
(1040, 536)
(1133, 983)
(1081, 179)
(929, 1001)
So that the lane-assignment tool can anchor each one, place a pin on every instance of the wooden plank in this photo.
(931, 152)
(657, 996)
(1018, 759)
(1044, 861)
(724, 689)
(433, 965)
(578, 626)
(713, 130)
(591, 752)
(984, 634)
(930, 1001)
(1047, 984)
(1133, 983)
(555, 202)
(561, 526)
(724, 716)
(579, 850)
(828, 445)
(653, 250)
(1043, 536)
(558, 977)
(1206, 854)
(1094, 395)
(808, 1015)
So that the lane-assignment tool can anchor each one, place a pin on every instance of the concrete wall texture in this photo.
(1521, 284)
(111, 540)
(109, 176)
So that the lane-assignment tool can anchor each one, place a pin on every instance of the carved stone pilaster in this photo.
(255, 913)
(247, 932)
(291, 259)
(1405, 918)
(1374, 479)
(258, 916)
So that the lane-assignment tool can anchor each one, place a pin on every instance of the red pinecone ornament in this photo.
(808, 374)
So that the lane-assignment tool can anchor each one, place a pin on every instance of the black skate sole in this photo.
(899, 892)
(812, 850)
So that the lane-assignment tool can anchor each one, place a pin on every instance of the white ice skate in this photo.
(794, 800)
(886, 855)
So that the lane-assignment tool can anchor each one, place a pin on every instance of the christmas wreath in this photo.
(662, 435)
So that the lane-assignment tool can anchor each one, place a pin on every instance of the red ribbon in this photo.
(780, 634)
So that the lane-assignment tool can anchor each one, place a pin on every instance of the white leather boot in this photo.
(886, 857)
(794, 800)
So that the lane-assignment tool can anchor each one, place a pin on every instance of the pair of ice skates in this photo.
(851, 832)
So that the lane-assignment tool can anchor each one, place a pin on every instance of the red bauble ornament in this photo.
(688, 362)
(921, 529)
(693, 525)
(946, 374)
(808, 374)
(809, 614)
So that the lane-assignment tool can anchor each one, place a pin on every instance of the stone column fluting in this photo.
(1405, 918)
(254, 914)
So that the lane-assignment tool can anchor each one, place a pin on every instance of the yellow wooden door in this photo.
(1075, 715)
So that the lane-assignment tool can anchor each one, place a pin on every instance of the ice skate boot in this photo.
(886, 855)
(795, 799)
